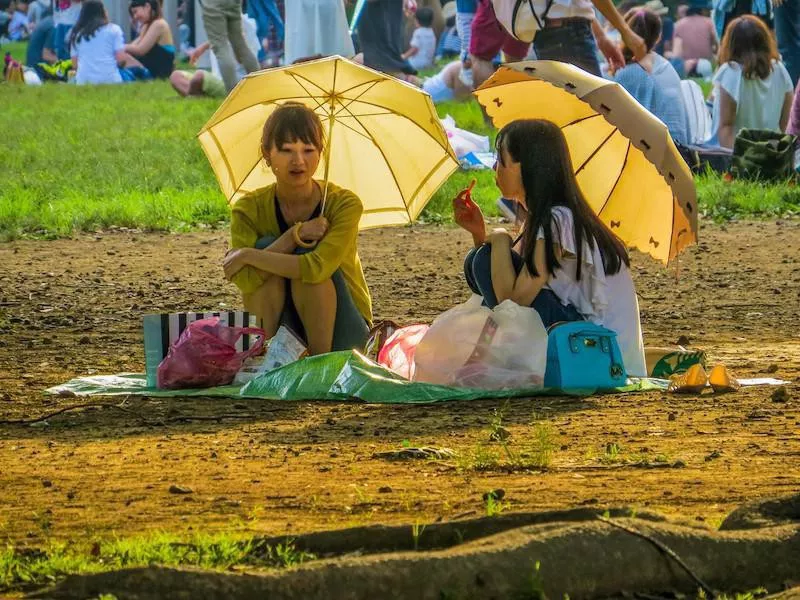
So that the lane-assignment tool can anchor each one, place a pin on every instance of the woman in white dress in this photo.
(316, 27)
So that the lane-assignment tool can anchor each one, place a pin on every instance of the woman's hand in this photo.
(610, 50)
(314, 230)
(468, 215)
(634, 43)
(612, 53)
(234, 261)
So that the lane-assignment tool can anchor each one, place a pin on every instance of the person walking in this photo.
(223, 22)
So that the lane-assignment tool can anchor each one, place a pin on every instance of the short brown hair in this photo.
(647, 25)
(748, 42)
(290, 122)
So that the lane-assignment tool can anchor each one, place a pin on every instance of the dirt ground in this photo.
(73, 307)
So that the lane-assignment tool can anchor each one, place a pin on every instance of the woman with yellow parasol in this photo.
(294, 256)
(567, 264)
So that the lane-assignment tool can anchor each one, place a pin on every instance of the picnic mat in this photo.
(336, 376)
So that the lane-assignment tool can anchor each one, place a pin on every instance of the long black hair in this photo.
(541, 149)
(92, 17)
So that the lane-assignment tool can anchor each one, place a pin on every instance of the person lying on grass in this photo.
(566, 264)
(294, 259)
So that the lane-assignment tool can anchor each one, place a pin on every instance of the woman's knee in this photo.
(270, 294)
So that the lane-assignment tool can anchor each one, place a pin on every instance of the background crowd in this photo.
(749, 50)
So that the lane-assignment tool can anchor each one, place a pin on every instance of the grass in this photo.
(26, 568)
(533, 452)
(16, 49)
(83, 159)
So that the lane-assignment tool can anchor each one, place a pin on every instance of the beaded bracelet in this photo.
(298, 240)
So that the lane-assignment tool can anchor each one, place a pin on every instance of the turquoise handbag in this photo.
(583, 356)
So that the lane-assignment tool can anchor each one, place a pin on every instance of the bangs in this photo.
(293, 123)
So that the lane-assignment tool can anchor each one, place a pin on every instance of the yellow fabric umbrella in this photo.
(624, 159)
(384, 139)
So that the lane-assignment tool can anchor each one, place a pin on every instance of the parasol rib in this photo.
(224, 158)
(596, 150)
(344, 106)
(619, 176)
(383, 154)
(305, 89)
(581, 120)
(424, 181)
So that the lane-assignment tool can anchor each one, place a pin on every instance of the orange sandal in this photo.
(693, 381)
(722, 381)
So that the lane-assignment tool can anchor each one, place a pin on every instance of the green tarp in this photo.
(336, 376)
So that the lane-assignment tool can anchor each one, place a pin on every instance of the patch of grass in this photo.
(494, 506)
(725, 200)
(81, 158)
(541, 448)
(533, 451)
(25, 568)
(85, 158)
(417, 530)
(16, 49)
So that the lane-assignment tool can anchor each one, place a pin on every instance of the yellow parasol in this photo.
(384, 139)
(624, 158)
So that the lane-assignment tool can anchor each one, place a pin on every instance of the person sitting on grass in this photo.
(18, 29)
(567, 264)
(293, 255)
(153, 48)
(752, 88)
(423, 42)
(653, 80)
(96, 46)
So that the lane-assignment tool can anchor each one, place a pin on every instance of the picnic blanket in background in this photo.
(337, 376)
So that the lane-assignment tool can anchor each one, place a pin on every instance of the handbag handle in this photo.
(255, 348)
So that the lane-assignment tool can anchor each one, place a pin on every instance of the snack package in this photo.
(284, 348)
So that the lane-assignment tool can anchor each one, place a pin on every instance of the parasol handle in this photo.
(327, 160)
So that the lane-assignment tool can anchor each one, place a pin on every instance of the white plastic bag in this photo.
(463, 141)
(473, 346)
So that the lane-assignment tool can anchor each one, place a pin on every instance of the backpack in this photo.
(763, 155)
(521, 18)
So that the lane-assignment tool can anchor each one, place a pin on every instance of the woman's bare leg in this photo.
(316, 306)
(196, 83)
(130, 61)
(180, 82)
(267, 304)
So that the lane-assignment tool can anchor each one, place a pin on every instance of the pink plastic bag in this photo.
(397, 353)
(205, 355)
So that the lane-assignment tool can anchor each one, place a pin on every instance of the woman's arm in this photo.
(412, 51)
(147, 39)
(195, 54)
(632, 41)
(507, 285)
(786, 110)
(266, 261)
(727, 118)
(608, 48)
